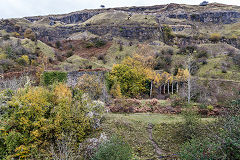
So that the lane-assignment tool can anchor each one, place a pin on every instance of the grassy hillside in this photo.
(121, 18)
(75, 63)
(44, 48)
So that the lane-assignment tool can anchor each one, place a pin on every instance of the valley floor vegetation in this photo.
(56, 121)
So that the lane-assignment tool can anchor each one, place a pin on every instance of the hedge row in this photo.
(51, 77)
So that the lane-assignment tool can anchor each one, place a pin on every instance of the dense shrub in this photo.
(194, 67)
(170, 51)
(29, 34)
(116, 90)
(15, 34)
(60, 57)
(204, 62)
(120, 47)
(95, 42)
(69, 54)
(177, 101)
(202, 54)
(58, 44)
(231, 51)
(10, 53)
(23, 60)
(90, 84)
(3, 56)
(198, 149)
(222, 140)
(131, 81)
(5, 96)
(160, 64)
(89, 45)
(51, 77)
(215, 37)
(6, 64)
(190, 128)
(236, 59)
(167, 33)
(222, 143)
(37, 117)
(162, 61)
(102, 57)
(202, 106)
(125, 105)
(186, 50)
(99, 43)
(6, 37)
(224, 70)
(114, 149)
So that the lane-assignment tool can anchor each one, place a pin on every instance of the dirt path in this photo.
(158, 151)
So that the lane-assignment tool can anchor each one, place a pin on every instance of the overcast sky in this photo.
(22, 8)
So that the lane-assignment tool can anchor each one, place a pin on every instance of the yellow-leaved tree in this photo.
(133, 75)
(182, 75)
(38, 117)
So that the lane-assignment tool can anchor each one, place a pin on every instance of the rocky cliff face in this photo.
(129, 32)
(74, 18)
(183, 19)
(224, 17)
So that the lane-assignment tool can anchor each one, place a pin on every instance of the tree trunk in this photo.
(177, 87)
(189, 80)
(172, 87)
(161, 89)
(168, 88)
(151, 89)
(189, 89)
(164, 89)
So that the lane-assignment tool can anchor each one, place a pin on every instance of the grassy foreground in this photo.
(153, 118)
(133, 129)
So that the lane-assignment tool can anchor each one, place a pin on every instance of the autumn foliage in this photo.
(133, 76)
(29, 34)
(36, 117)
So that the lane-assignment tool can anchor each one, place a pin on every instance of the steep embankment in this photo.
(139, 23)
(127, 31)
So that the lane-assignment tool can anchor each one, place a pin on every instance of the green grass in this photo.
(115, 56)
(30, 46)
(3, 32)
(217, 49)
(115, 18)
(132, 127)
(146, 118)
(213, 69)
(233, 29)
(45, 49)
(153, 118)
(75, 63)
(178, 60)
(133, 132)
(166, 136)
(82, 36)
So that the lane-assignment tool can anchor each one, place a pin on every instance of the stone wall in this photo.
(72, 77)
